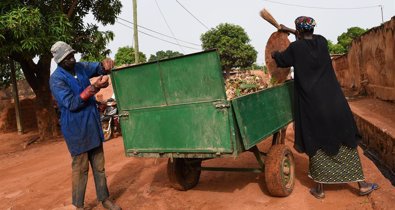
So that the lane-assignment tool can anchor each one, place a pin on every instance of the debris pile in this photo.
(243, 83)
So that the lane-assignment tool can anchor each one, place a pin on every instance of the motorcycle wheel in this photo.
(107, 130)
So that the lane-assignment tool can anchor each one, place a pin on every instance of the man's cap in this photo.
(60, 50)
(305, 23)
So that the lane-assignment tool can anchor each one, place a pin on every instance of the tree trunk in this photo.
(47, 120)
(37, 75)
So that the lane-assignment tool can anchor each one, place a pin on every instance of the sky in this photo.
(182, 22)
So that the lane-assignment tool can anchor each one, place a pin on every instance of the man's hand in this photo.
(101, 82)
(91, 90)
(107, 64)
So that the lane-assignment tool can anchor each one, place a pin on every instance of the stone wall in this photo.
(369, 66)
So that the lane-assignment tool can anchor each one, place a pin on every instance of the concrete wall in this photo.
(369, 66)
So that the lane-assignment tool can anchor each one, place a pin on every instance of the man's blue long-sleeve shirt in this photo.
(80, 120)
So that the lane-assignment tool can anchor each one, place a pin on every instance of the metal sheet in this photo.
(190, 128)
(140, 87)
(172, 107)
(261, 114)
(193, 79)
(186, 79)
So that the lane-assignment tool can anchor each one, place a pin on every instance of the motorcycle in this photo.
(110, 120)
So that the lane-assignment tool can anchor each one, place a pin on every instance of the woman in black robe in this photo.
(324, 125)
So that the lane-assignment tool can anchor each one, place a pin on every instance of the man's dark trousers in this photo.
(80, 169)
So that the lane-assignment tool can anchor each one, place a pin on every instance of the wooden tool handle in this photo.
(286, 29)
(269, 18)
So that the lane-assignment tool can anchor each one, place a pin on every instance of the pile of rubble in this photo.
(244, 83)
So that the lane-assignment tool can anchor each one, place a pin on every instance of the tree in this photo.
(336, 48)
(125, 55)
(232, 43)
(163, 55)
(5, 73)
(254, 66)
(28, 29)
(344, 40)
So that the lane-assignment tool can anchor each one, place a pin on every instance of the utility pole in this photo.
(16, 98)
(382, 18)
(136, 39)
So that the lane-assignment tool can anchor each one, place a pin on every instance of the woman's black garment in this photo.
(323, 119)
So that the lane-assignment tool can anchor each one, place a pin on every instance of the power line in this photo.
(157, 37)
(168, 26)
(159, 33)
(192, 15)
(329, 8)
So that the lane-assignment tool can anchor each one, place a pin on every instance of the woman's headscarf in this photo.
(304, 23)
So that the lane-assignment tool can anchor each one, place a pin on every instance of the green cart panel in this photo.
(195, 128)
(187, 79)
(261, 114)
(176, 105)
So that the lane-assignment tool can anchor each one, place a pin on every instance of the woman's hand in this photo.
(107, 64)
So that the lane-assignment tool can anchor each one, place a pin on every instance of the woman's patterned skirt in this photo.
(341, 168)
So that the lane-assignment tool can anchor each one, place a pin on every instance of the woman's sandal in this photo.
(315, 193)
(373, 186)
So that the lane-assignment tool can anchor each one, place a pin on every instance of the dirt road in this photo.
(38, 177)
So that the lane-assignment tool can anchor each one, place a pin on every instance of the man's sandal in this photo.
(373, 186)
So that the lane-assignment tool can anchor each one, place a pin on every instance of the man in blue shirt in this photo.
(80, 119)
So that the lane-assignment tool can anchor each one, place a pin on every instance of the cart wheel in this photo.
(183, 173)
(280, 171)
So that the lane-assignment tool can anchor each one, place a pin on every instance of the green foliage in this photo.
(272, 81)
(101, 39)
(232, 43)
(336, 48)
(29, 28)
(125, 55)
(163, 55)
(344, 40)
(26, 31)
(265, 69)
(5, 73)
(254, 66)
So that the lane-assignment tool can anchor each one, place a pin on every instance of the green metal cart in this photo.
(177, 108)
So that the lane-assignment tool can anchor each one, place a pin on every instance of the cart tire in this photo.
(183, 173)
(280, 171)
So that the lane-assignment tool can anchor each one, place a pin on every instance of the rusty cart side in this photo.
(177, 108)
